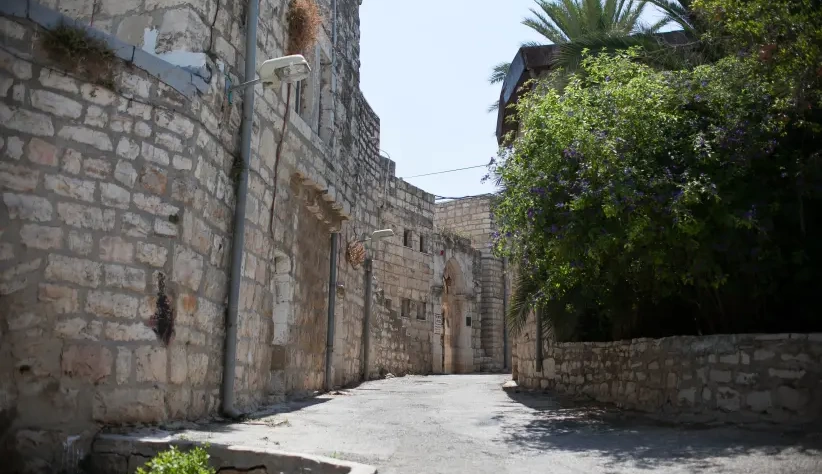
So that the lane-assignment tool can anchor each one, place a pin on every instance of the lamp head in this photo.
(382, 234)
(285, 69)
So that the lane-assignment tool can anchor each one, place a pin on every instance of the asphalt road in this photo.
(468, 424)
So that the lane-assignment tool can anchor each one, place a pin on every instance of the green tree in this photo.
(641, 202)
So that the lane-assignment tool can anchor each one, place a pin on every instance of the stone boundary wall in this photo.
(747, 377)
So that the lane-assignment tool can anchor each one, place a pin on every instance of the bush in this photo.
(174, 461)
(643, 203)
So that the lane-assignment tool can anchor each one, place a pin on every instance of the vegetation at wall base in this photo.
(645, 202)
(174, 461)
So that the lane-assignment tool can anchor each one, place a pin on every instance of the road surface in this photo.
(468, 424)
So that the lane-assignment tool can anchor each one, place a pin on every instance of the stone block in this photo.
(727, 399)
(43, 153)
(123, 365)
(178, 365)
(96, 117)
(721, 376)
(26, 207)
(72, 161)
(100, 169)
(197, 368)
(14, 148)
(70, 187)
(116, 305)
(90, 362)
(60, 299)
(687, 395)
(86, 217)
(151, 254)
(112, 195)
(125, 277)
(154, 205)
(78, 329)
(87, 136)
(743, 378)
(116, 249)
(153, 154)
(59, 81)
(73, 270)
(135, 225)
(188, 267)
(759, 401)
(128, 405)
(786, 374)
(174, 122)
(762, 354)
(791, 399)
(80, 242)
(154, 179)
(41, 237)
(150, 364)
(142, 129)
(97, 94)
(56, 104)
(25, 121)
(165, 228)
(128, 332)
(128, 149)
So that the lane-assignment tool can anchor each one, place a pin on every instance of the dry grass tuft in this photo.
(77, 52)
(304, 20)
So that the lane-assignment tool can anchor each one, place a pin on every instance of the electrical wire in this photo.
(446, 171)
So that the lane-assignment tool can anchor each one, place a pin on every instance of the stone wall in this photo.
(770, 377)
(471, 218)
(116, 219)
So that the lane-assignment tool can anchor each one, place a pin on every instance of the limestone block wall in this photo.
(471, 217)
(769, 377)
(115, 215)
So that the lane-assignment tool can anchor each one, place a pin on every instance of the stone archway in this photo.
(457, 354)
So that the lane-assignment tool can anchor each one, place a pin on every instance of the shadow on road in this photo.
(623, 438)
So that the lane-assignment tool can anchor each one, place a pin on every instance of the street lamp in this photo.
(376, 236)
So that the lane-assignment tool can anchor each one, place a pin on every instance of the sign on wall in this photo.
(437, 324)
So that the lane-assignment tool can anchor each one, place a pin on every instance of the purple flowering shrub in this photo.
(646, 203)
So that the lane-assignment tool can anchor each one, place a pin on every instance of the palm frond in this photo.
(499, 72)
(523, 297)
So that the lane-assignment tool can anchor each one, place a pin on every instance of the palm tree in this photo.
(595, 22)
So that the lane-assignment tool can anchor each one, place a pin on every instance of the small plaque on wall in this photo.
(437, 324)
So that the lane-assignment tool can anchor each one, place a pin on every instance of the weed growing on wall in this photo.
(304, 22)
(78, 52)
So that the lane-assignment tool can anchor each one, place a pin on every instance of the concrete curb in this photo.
(117, 454)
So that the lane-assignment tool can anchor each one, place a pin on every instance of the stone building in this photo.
(118, 217)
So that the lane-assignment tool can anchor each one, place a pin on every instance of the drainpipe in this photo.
(505, 348)
(238, 238)
(332, 302)
(366, 323)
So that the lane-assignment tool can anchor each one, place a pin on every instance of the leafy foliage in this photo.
(174, 461)
(649, 203)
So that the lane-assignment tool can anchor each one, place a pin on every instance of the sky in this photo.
(424, 70)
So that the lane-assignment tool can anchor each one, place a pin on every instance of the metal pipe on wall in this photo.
(366, 324)
(506, 361)
(332, 303)
(238, 239)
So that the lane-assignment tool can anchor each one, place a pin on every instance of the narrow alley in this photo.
(468, 423)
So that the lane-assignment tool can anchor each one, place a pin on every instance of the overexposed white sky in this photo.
(424, 69)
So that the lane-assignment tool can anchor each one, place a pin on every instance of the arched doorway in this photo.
(457, 355)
